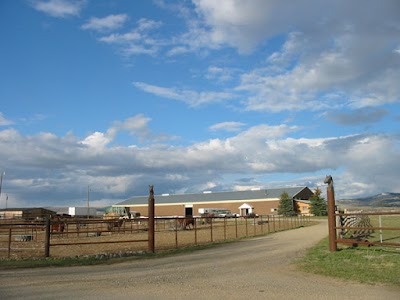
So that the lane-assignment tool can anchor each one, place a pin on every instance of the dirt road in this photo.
(258, 268)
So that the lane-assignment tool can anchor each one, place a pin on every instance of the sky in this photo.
(191, 96)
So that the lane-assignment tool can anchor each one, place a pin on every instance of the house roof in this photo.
(258, 194)
(26, 209)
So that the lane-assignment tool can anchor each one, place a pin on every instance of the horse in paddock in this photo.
(207, 218)
(58, 225)
(186, 222)
(115, 224)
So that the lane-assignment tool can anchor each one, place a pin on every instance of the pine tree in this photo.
(286, 205)
(318, 205)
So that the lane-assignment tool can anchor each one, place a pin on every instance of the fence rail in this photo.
(75, 237)
(379, 235)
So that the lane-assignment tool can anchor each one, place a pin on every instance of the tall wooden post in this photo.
(47, 238)
(151, 243)
(331, 214)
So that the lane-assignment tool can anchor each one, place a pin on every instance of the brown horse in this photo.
(58, 225)
(115, 224)
(186, 222)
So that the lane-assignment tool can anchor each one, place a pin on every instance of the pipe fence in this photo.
(377, 228)
(80, 237)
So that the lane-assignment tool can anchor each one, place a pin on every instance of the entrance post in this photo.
(331, 214)
(151, 243)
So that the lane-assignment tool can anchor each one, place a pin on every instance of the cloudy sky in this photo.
(196, 95)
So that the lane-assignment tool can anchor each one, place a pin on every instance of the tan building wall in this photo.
(11, 214)
(303, 208)
(263, 207)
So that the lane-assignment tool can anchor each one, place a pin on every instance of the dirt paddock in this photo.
(97, 237)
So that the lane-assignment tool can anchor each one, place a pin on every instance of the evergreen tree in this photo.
(318, 204)
(286, 205)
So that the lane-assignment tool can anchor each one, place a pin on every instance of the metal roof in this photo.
(215, 196)
(25, 209)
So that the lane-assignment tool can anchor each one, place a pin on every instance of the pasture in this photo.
(373, 265)
(97, 236)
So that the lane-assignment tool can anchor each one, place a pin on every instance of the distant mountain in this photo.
(380, 200)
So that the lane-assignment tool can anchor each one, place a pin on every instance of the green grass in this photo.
(373, 265)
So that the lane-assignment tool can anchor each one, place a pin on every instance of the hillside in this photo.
(379, 200)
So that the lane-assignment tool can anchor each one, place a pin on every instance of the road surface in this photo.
(257, 268)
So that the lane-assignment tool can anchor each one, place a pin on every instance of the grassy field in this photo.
(371, 265)
(365, 265)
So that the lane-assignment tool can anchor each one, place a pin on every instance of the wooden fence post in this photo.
(9, 242)
(224, 228)
(236, 226)
(211, 228)
(331, 214)
(47, 239)
(195, 231)
(176, 232)
(151, 241)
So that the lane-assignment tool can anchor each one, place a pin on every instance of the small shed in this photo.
(26, 213)
(245, 209)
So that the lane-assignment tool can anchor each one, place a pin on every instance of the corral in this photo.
(98, 236)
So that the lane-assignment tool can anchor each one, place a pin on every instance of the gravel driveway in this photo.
(257, 268)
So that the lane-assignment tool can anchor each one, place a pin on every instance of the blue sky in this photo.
(196, 95)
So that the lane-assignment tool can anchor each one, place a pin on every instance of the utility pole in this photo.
(1, 182)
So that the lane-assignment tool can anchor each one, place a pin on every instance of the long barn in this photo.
(257, 201)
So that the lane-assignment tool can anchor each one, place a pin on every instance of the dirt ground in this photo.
(96, 239)
(256, 268)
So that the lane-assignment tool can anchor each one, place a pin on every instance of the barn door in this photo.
(188, 211)
(244, 211)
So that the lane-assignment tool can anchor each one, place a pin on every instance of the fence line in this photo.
(35, 239)
(370, 240)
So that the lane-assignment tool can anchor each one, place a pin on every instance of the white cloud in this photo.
(60, 8)
(365, 115)
(177, 51)
(221, 75)
(97, 140)
(328, 61)
(107, 23)
(137, 41)
(348, 69)
(244, 24)
(192, 98)
(4, 121)
(241, 24)
(328, 50)
(227, 126)
(136, 126)
(45, 166)
(121, 38)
